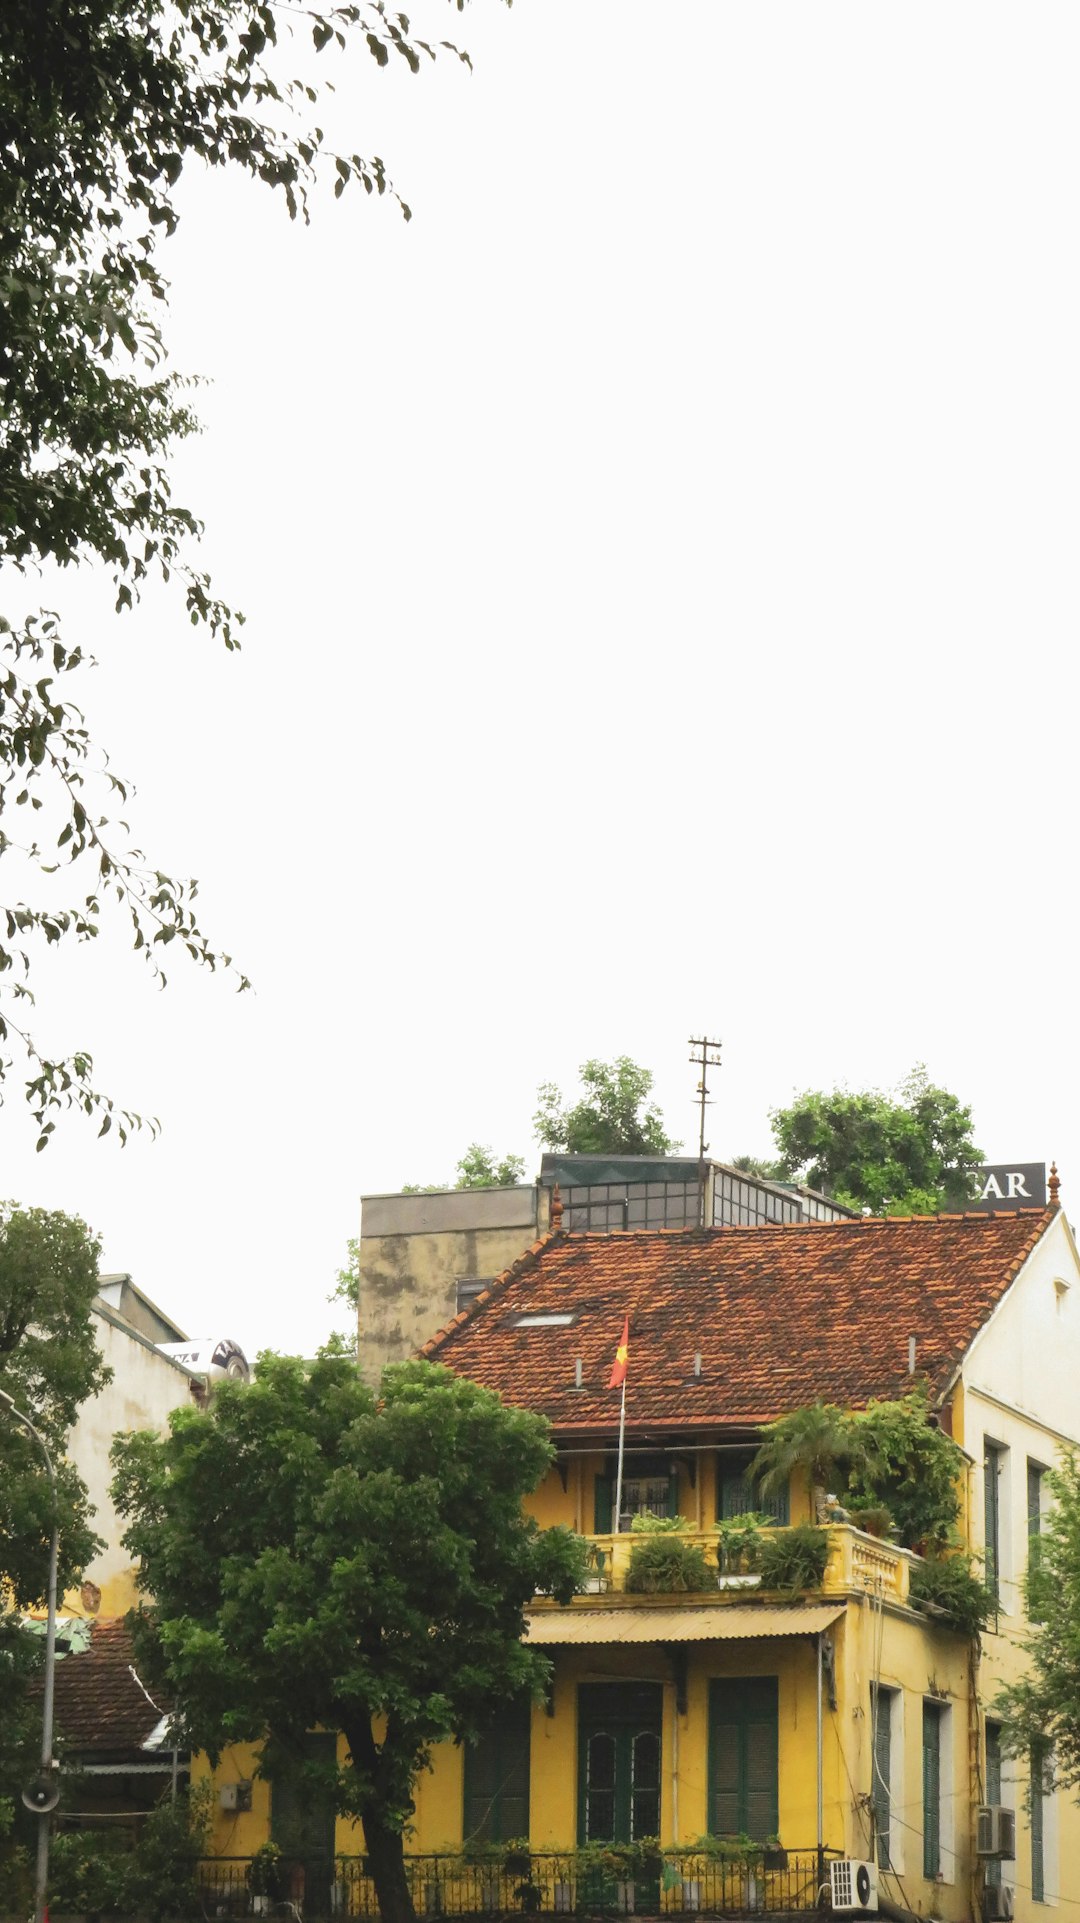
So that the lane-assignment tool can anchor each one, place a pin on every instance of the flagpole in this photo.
(622, 1441)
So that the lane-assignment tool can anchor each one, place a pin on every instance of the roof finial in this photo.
(556, 1210)
(1053, 1186)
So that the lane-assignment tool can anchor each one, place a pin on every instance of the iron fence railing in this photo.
(766, 1881)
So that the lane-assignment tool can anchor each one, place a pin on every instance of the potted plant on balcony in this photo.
(738, 1550)
(875, 1518)
(947, 1587)
(795, 1559)
(664, 1565)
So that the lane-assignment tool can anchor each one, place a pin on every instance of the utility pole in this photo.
(709, 1057)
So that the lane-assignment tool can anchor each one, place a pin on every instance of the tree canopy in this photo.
(906, 1153)
(613, 1116)
(102, 107)
(367, 1570)
(478, 1168)
(888, 1454)
(49, 1365)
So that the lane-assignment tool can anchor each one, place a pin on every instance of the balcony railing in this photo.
(857, 1564)
(757, 1881)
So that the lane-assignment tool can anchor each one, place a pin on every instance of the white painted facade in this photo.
(145, 1388)
(1021, 1407)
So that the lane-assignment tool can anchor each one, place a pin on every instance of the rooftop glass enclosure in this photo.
(602, 1192)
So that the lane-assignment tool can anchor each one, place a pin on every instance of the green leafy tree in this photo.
(347, 1286)
(49, 1365)
(1041, 1713)
(367, 1571)
(613, 1117)
(909, 1153)
(819, 1440)
(102, 107)
(888, 1454)
(912, 1467)
(478, 1169)
(756, 1165)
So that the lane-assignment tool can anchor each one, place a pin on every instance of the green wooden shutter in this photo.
(762, 1775)
(673, 1491)
(881, 1791)
(497, 1778)
(992, 1518)
(732, 1489)
(744, 1749)
(725, 1767)
(1038, 1863)
(602, 1506)
(931, 1780)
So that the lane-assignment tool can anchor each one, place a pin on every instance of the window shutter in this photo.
(726, 1812)
(931, 1759)
(673, 1491)
(744, 1756)
(734, 1492)
(762, 1776)
(602, 1506)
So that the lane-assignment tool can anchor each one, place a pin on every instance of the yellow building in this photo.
(831, 1719)
(844, 1718)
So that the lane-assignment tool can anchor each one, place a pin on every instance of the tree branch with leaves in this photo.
(102, 107)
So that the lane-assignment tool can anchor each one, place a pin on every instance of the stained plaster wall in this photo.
(415, 1248)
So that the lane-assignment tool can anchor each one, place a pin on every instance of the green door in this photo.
(302, 1816)
(497, 1778)
(744, 1757)
(619, 1728)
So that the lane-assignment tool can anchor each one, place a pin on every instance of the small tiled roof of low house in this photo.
(100, 1706)
(779, 1315)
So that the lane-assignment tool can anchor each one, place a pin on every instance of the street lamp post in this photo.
(41, 1877)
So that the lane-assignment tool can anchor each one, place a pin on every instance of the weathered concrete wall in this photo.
(414, 1249)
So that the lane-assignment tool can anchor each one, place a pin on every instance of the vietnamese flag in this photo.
(622, 1356)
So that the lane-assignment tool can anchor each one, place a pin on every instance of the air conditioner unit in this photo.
(853, 1886)
(998, 1903)
(995, 1831)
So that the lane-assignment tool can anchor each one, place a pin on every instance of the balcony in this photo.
(856, 1564)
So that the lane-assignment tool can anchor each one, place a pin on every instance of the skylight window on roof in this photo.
(543, 1319)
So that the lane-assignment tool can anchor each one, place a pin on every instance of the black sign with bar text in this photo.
(1010, 1185)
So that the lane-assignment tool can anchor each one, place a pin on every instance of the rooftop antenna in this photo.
(708, 1058)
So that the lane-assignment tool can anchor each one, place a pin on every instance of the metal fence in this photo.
(772, 1882)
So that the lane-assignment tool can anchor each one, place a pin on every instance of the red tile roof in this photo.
(99, 1704)
(780, 1315)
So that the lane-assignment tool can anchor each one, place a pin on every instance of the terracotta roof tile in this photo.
(779, 1314)
(99, 1704)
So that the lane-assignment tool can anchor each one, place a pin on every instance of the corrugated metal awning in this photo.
(714, 1623)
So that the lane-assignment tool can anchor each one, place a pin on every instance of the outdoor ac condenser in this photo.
(998, 1903)
(853, 1885)
(995, 1831)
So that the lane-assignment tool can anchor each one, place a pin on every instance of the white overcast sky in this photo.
(660, 569)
